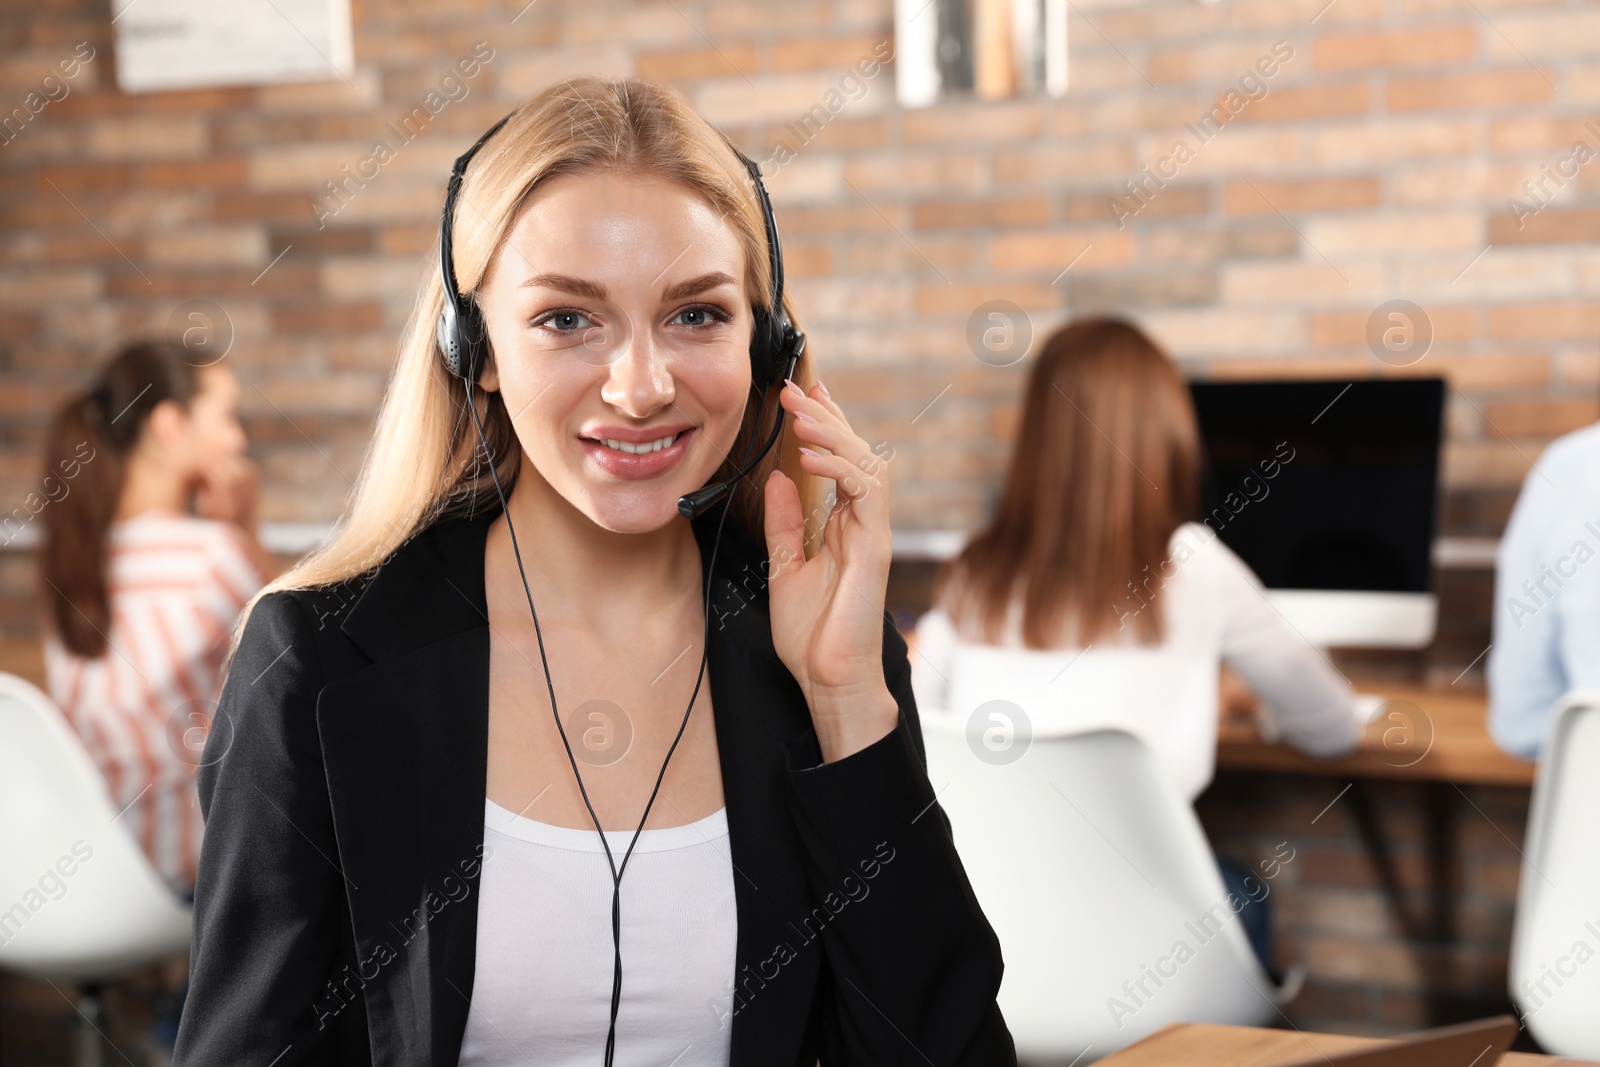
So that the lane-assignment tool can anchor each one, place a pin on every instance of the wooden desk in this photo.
(1205, 1045)
(1438, 735)
(24, 658)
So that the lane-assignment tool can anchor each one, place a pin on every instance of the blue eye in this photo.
(716, 315)
(571, 320)
(565, 320)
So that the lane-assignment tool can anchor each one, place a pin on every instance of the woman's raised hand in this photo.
(827, 611)
(230, 491)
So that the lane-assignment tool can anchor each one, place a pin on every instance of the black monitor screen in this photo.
(1324, 484)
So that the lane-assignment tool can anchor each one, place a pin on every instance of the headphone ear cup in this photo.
(462, 341)
(474, 341)
(448, 338)
(763, 353)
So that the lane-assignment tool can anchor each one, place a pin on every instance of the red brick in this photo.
(696, 62)
(809, 260)
(984, 211)
(839, 135)
(1427, 45)
(1491, 89)
(1053, 251)
(830, 53)
(991, 121)
(1306, 194)
(1350, 327)
(1540, 418)
(1308, 102)
(331, 318)
(1543, 227)
(937, 299)
(1545, 321)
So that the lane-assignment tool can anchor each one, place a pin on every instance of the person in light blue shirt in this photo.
(1547, 594)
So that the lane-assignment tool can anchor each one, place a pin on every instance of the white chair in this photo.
(1555, 939)
(79, 901)
(1093, 871)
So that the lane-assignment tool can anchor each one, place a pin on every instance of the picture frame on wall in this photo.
(189, 44)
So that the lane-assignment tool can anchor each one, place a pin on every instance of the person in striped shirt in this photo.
(138, 594)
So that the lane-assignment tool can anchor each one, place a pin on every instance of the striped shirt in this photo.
(177, 584)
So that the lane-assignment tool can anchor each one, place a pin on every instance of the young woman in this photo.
(139, 596)
(1092, 601)
(404, 858)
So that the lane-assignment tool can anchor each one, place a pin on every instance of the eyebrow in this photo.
(595, 291)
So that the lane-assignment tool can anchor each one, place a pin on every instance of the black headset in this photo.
(775, 348)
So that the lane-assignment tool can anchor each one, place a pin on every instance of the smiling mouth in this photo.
(642, 449)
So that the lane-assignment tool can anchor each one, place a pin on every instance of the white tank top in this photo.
(541, 990)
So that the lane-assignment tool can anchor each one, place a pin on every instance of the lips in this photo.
(639, 447)
(632, 466)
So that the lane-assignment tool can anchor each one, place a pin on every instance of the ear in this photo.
(165, 423)
(489, 377)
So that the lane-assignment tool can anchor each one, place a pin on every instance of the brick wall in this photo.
(1374, 162)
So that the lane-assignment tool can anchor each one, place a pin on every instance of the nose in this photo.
(640, 380)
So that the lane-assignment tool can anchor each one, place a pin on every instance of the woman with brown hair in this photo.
(1093, 600)
(405, 862)
(139, 596)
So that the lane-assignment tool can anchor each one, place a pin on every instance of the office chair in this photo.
(1555, 938)
(80, 902)
(1092, 869)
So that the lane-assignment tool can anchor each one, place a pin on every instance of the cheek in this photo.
(522, 390)
(542, 405)
(219, 435)
(219, 428)
(725, 391)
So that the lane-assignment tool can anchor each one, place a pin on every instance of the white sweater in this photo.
(1166, 694)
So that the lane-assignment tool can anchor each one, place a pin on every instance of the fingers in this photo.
(785, 528)
(851, 482)
(858, 472)
(831, 430)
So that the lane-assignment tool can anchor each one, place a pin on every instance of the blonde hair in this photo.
(425, 462)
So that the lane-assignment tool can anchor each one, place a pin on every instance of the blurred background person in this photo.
(1091, 600)
(139, 595)
(1546, 637)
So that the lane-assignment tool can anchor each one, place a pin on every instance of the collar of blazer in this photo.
(404, 605)
(404, 731)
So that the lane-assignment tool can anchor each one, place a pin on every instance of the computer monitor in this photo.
(1328, 490)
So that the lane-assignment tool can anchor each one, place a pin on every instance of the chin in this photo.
(633, 511)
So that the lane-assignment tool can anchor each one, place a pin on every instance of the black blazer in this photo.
(343, 789)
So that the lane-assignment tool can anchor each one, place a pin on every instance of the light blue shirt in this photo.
(1547, 594)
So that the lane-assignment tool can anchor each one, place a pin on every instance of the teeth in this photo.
(639, 450)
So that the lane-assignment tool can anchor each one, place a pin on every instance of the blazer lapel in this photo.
(405, 740)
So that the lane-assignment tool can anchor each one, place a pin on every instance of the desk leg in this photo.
(1437, 929)
(1377, 846)
(1441, 801)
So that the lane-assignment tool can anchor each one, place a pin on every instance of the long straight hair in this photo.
(86, 456)
(1104, 471)
(426, 463)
